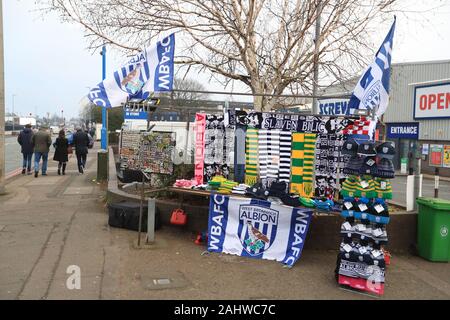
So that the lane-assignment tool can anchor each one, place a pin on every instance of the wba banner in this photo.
(257, 228)
(372, 90)
(149, 71)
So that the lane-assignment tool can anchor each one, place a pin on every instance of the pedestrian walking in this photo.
(61, 152)
(81, 143)
(24, 139)
(41, 142)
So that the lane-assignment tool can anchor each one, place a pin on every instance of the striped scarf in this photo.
(303, 146)
(285, 156)
(239, 154)
(251, 152)
(273, 160)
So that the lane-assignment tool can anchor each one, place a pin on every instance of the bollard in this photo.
(102, 165)
(151, 220)
(436, 182)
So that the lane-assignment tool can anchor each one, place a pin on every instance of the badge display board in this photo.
(151, 152)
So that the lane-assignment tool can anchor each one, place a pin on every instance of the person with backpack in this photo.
(61, 152)
(24, 139)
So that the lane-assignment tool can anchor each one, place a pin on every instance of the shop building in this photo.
(418, 116)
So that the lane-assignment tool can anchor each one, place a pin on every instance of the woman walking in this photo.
(61, 154)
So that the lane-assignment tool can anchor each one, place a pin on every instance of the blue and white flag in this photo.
(149, 71)
(256, 228)
(372, 90)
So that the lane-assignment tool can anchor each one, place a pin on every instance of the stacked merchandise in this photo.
(361, 260)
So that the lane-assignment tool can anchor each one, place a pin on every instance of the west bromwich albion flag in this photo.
(257, 228)
(149, 71)
(372, 90)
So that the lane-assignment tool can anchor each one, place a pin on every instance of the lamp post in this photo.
(104, 109)
(2, 106)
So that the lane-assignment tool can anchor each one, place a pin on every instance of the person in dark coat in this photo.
(81, 143)
(61, 155)
(24, 139)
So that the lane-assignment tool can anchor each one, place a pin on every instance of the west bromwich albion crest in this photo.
(257, 228)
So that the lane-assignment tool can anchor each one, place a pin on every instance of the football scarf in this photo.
(239, 154)
(256, 228)
(199, 131)
(273, 151)
(329, 159)
(219, 147)
(251, 154)
(303, 145)
(285, 156)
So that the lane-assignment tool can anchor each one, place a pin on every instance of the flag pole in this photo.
(104, 142)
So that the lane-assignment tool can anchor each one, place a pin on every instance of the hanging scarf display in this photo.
(239, 153)
(285, 156)
(219, 147)
(199, 130)
(329, 160)
(251, 152)
(303, 146)
(268, 155)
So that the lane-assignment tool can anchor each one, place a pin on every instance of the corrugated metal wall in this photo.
(401, 101)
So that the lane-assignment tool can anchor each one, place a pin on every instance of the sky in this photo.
(49, 69)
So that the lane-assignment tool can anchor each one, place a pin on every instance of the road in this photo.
(13, 157)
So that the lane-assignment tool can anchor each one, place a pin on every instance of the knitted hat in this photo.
(278, 189)
(386, 150)
(350, 147)
(354, 165)
(367, 149)
(383, 188)
(369, 166)
(349, 186)
(365, 188)
(385, 169)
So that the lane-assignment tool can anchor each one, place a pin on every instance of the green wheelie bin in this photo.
(433, 238)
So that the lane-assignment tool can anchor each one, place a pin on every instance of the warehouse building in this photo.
(418, 116)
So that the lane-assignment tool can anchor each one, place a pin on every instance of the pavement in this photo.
(54, 236)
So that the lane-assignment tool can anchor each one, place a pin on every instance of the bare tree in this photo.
(266, 44)
(189, 85)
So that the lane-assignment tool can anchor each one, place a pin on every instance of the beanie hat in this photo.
(349, 186)
(385, 169)
(350, 147)
(383, 188)
(379, 212)
(354, 165)
(278, 189)
(365, 188)
(386, 150)
(369, 166)
(367, 148)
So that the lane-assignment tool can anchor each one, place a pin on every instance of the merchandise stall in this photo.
(268, 173)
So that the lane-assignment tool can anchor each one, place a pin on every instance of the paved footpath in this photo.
(51, 223)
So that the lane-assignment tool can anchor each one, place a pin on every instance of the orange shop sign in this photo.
(432, 101)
